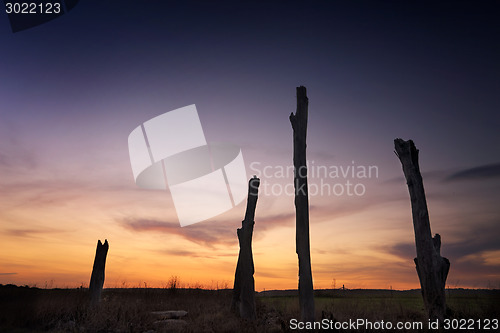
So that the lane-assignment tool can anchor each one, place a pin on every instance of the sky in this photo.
(72, 90)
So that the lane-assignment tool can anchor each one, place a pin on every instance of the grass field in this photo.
(24, 309)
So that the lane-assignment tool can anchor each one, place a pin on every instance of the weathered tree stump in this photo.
(432, 269)
(244, 284)
(299, 125)
(97, 278)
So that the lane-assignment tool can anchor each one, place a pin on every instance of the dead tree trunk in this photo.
(97, 278)
(432, 269)
(299, 125)
(244, 284)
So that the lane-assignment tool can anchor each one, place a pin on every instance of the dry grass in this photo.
(129, 310)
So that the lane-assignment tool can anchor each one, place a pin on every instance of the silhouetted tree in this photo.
(244, 284)
(97, 278)
(299, 125)
(432, 269)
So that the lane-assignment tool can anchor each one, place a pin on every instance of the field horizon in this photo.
(34, 309)
(267, 292)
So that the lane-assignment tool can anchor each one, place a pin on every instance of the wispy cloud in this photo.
(223, 230)
(29, 232)
(202, 234)
(471, 242)
(195, 254)
(15, 154)
(476, 173)
(275, 273)
(426, 175)
(208, 233)
(8, 274)
(467, 252)
(401, 250)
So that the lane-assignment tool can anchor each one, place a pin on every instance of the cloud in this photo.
(209, 234)
(471, 244)
(18, 161)
(468, 252)
(15, 155)
(426, 175)
(195, 254)
(402, 250)
(29, 232)
(476, 173)
(275, 273)
(8, 274)
(223, 230)
(202, 234)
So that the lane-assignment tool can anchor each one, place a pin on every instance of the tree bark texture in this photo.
(97, 278)
(432, 269)
(244, 284)
(299, 125)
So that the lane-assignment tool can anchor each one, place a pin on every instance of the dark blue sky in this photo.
(71, 91)
(425, 71)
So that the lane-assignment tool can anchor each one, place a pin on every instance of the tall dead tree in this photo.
(244, 284)
(302, 246)
(432, 269)
(97, 278)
